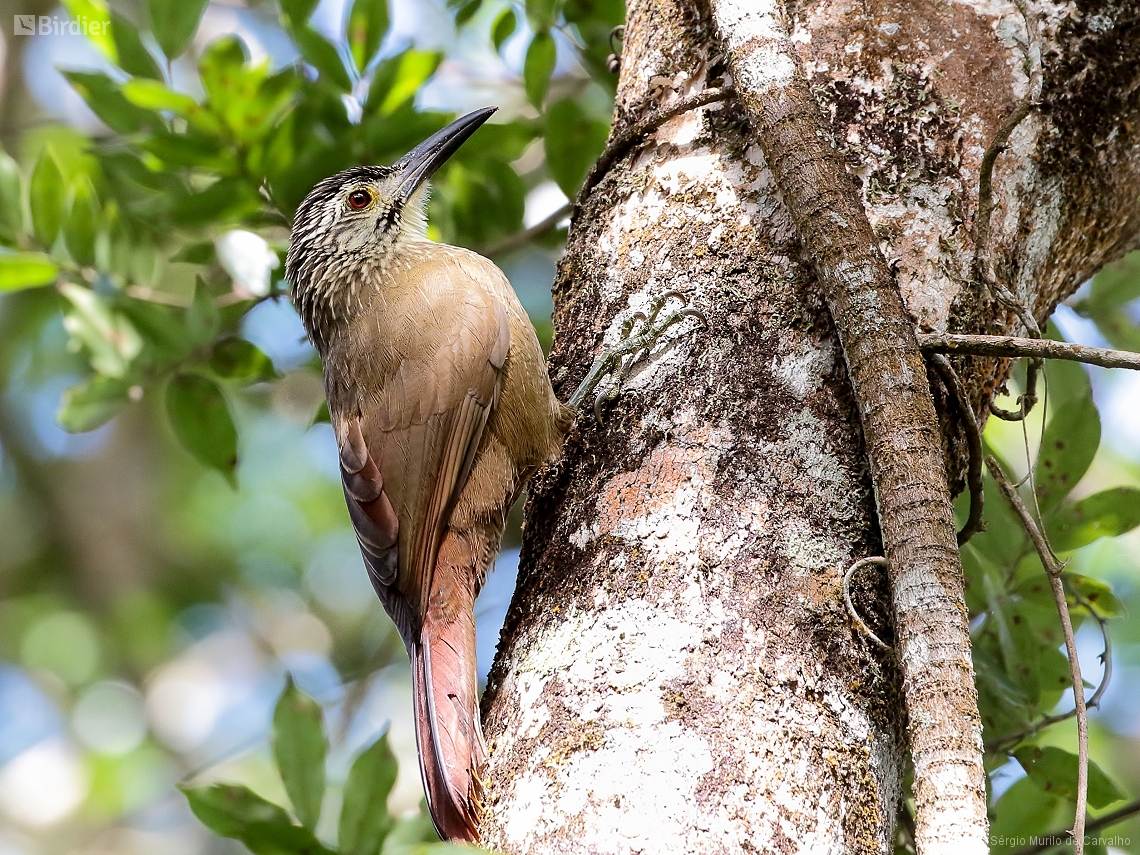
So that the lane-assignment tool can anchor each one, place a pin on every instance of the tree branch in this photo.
(1015, 347)
(900, 425)
(1053, 570)
(519, 239)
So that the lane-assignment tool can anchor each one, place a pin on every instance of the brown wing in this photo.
(406, 455)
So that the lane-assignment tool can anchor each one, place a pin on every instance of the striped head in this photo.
(351, 224)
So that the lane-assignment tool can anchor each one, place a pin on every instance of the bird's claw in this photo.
(614, 364)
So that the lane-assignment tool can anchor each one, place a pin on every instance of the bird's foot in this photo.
(639, 333)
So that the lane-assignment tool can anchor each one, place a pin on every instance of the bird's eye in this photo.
(359, 199)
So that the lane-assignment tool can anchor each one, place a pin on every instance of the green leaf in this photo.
(1105, 514)
(1067, 449)
(202, 320)
(1119, 328)
(504, 27)
(299, 746)
(134, 58)
(92, 404)
(1021, 813)
(1002, 704)
(322, 54)
(107, 102)
(464, 10)
(95, 12)
(1067, 381)
(1054, 770)
(283, 840)
(1115, 285)
(80, 228)
(199, 252)
(364, 817)
(110, 338)
(1054, 678)
(238, 359)
(398, 79)
(221, 62)
(224, 200)
(539, 65)
(573, 142)
(322, 416)
(47, 198)
(542, 14)
(465, 193)
(162, 328)
(174, 23)
(298, 12)
(227, 809)
(202, 422)
(367, 25)
(11, 198)
(20, 270)
(409, 835)
(153, 95)
(1020, 652)
(1096, 593)
(238, 812)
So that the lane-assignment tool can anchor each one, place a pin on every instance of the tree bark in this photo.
(678, 672)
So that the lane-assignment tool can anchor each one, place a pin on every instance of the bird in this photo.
(442, 408)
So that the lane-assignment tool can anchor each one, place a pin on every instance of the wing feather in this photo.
(407, 453)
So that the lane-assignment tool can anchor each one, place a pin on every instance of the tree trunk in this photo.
(678, 672)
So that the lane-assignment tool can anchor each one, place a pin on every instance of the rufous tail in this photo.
(448, 731)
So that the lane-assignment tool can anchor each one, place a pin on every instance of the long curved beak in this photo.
(421, 163)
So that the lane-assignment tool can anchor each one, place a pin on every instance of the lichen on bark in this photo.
(677, 672)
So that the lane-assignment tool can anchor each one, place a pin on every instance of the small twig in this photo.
(524, 237)
(1027, 400)
(1105, 656)
(974, 441)
(1015, 347)
(983, 263)
(149, 295)
(620, 144)
(1052, 841)
(862, 562)
(1053, 570)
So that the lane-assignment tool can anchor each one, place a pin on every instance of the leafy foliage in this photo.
(1107, 301)
(1021, 670)
(300, 745)
(139, 215)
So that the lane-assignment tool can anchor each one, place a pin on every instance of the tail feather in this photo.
(448, 731)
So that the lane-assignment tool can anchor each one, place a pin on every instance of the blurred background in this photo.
(151, 603)
(150, 606)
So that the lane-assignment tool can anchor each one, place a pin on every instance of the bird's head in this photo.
(352, 223)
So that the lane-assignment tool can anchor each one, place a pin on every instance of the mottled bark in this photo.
(678, 673)
(900, 428)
